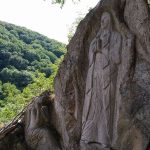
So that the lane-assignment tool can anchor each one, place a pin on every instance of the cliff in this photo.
(102, 87)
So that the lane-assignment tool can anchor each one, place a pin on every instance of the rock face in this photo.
(102, 88)
(38, 133)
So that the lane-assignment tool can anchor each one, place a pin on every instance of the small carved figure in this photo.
(38, 135)
(99, 111)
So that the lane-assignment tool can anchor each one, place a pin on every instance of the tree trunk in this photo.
(102, 88)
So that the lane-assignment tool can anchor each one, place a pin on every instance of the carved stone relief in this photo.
(99, 111)
(102, 86)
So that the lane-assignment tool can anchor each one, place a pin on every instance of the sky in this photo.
(44, 17)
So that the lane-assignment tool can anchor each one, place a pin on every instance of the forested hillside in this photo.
(28, 64)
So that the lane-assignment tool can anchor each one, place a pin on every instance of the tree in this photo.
(62, 2)
(22, 49)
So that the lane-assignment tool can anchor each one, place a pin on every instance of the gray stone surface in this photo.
(37, 134)
(97, 88)
(102, 88)
(100, 104)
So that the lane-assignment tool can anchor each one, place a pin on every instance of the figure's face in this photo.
(105, 20)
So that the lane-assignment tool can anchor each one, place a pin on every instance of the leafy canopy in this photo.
(62, 2)
(23, 51)
(28, 64)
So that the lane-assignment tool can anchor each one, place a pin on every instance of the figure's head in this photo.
(106, 21)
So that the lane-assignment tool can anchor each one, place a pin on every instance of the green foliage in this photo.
(15, 100)
(59, 2)
(22, 52)
(62, 2)
(19, 78)
(28, 64)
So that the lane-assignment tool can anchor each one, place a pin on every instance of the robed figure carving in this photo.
(99, 110)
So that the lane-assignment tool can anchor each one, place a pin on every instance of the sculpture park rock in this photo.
(102, 88)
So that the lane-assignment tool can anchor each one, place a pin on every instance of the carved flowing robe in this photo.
(99, 111)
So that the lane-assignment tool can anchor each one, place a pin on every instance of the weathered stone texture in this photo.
(102, 88)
